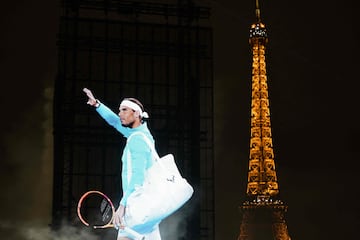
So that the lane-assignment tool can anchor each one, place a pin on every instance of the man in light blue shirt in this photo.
(136, 157)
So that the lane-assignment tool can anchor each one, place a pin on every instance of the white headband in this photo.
(135, 107)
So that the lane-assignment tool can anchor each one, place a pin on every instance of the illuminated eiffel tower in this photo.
(263, 212)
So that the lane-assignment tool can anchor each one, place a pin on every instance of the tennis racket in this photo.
(96, 210)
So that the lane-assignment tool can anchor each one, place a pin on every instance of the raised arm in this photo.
(106, 113)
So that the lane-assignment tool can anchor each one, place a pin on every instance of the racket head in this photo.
(95, 210)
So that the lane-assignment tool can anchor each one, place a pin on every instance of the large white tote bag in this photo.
(164, 191)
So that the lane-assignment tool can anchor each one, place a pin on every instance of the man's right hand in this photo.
(92, 101)
(118, 217)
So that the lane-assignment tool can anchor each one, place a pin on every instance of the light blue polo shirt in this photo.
(136, 150)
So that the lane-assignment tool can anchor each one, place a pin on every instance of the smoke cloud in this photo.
(26, 171)
(175, 227)
(26, 231)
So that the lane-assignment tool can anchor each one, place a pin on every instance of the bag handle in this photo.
(149, 143)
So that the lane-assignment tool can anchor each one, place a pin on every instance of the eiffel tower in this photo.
(262, 212)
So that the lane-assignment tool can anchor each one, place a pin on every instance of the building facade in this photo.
(157, 51)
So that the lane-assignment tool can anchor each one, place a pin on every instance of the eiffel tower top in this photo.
(258, 29)
(262, 179)
(257, 11)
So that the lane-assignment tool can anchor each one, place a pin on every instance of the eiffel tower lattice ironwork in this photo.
(263, 212)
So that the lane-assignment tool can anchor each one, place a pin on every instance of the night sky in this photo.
(312, 67)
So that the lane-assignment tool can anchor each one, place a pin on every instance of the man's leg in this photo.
(122, 235)
(154, 235)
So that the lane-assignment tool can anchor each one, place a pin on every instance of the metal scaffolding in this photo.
(158, 52)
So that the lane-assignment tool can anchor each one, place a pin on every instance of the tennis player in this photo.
(130, 119)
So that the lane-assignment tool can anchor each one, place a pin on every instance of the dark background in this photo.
(313, 75)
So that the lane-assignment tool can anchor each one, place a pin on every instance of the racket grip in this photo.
(135, 234)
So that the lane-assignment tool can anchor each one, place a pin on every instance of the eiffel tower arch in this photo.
(263, 219)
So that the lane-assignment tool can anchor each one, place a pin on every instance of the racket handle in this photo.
(135, 234)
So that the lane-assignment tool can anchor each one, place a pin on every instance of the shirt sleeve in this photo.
(140, 153)
(112, 119)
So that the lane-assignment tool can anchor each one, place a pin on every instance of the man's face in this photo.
(127, 116)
